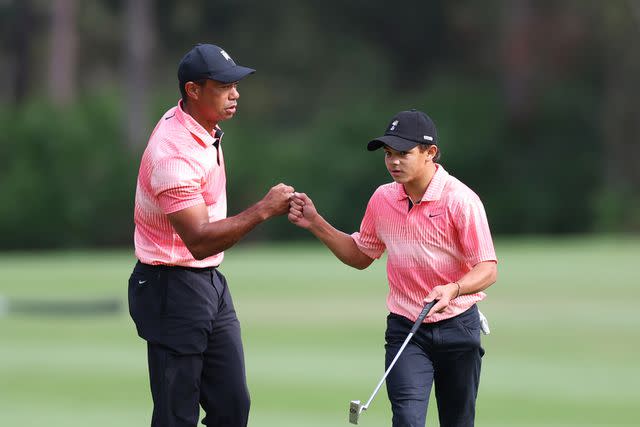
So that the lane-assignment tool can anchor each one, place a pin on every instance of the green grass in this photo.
(563, 350)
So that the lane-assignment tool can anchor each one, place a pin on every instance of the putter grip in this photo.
(428, 306)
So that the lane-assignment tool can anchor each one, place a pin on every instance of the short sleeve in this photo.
(177, 184)
(367, 238)
(473, 231)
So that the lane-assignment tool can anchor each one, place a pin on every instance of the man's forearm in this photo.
(204, 238)
(341, 244)
(218, 236)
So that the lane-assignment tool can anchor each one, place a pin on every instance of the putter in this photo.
(355, 407)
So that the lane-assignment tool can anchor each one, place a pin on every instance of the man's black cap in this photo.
(208, 61)
(406, 130)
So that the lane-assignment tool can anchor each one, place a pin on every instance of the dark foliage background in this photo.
(536, 105)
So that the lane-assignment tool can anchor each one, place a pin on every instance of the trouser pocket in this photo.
(147, 300)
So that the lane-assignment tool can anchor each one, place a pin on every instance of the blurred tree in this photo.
(518, 65)
(619, 197)
(20, 17)
(535, 102)
(63, 44)
(139, 44)
(539, 58)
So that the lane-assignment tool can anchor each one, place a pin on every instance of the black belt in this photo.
(179, 267)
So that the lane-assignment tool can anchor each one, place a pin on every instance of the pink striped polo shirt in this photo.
(436, 242)
(182, 166)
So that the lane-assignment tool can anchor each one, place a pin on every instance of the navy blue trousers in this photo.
(194, 346)
(447, 354)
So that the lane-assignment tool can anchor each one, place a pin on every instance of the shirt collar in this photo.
(434, 190)
(196, 129)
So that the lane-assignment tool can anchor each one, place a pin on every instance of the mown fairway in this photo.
(563, 350)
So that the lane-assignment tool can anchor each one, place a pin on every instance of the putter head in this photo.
(355, 408)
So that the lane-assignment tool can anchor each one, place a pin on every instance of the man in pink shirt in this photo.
(178, 299)
(438, 244)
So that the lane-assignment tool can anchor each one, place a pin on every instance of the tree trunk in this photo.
(63, 52)
(518, 66)
(21, 50)
(139, 45)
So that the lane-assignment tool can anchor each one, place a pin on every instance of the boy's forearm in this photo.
(341, 244)
(482, 276)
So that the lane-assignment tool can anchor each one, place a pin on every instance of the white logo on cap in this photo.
(393, 125)
(226, 55)
(429, 138)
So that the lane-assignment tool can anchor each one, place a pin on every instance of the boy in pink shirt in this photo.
(439, 246)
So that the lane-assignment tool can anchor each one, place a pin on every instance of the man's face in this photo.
(407, 166)
(216, 101)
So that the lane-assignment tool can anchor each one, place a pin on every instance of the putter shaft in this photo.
(384, 377)
(416, 325)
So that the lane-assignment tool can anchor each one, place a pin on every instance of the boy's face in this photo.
(408, 166)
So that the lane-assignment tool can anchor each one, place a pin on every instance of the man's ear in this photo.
(192, 89)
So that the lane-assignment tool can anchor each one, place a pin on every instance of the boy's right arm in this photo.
(303, 213)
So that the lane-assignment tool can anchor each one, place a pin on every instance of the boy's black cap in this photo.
(406, 130)
(208, 61)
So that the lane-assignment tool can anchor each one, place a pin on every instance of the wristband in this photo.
(458, 293)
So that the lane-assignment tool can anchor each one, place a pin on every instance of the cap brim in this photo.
(232, 74)
(398, 144)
